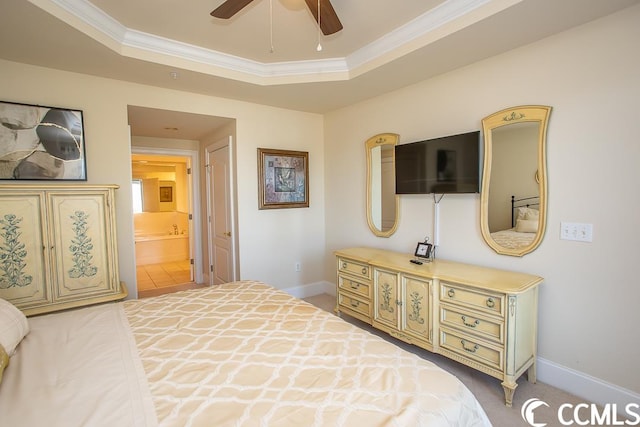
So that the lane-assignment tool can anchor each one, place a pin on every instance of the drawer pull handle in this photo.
(451, 293)
(470, 350)
(355, 285)
(355, 303)
(364, 270)
(491, 303)
(344, 265)
(471, 325)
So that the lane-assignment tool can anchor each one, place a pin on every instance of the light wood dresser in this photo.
(482, 317)
(58, 246)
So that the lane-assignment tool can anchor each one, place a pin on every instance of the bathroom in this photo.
(160, 186)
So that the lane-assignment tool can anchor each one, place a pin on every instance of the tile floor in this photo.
(157, 279)
(487, 389)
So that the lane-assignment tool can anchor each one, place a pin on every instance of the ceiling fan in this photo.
(329, 22)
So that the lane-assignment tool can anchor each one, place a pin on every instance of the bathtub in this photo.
(160, 248)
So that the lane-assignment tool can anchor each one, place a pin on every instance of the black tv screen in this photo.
(450, 164)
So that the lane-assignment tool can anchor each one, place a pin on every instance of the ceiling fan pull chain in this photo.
(319, 47)
(271, 25)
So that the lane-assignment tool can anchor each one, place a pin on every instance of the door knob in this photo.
(228, 234)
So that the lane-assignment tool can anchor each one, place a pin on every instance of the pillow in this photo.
(4, 361)
(13, 326)
(527, 226)
(527, 213)
(532, 214)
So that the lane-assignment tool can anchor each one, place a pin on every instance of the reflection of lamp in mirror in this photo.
(382, 202)
(514, 187)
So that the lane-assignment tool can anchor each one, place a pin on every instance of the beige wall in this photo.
(270, 242)
(589, 75)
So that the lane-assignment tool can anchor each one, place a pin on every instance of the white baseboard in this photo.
(312, 289)
(583, 385)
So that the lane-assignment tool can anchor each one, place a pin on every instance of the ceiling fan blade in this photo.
(329, 21)
(229, 8)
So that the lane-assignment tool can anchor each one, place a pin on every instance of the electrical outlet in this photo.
(576, 231)
(298, 266)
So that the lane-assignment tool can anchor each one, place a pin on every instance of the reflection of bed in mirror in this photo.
(524, 223)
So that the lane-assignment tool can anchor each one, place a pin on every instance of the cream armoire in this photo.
(58, 246)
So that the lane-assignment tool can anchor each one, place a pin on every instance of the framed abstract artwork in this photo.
(283, 179)
(41, 143)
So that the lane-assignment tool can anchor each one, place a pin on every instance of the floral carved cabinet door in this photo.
(82, 258)
(416, 319)
(385, 297)
(23, 249)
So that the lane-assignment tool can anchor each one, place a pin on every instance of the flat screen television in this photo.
(450, 164)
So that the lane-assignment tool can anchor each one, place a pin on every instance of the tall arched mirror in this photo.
(383, 205)
(514, 183)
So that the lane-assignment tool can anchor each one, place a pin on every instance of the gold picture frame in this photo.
(166, 194)
(283, 179)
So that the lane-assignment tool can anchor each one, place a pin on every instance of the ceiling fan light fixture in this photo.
(271, 49)
(319, 47)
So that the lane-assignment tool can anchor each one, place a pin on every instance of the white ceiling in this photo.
(385, 45)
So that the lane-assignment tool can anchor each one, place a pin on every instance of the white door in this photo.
(220, 207)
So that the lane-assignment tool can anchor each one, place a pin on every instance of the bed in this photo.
(238, 354)
(524, 223)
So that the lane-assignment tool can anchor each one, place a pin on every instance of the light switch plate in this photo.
(576, 231)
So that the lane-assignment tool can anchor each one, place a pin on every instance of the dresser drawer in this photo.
(472, 323)
(354, 286)
(354, 304)
(486, 302)
(346, 265)
(471, 348)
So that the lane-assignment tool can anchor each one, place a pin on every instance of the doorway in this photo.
(163, 189)
(174, 133)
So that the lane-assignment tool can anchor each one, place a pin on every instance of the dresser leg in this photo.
(531, 373)
(509, 390)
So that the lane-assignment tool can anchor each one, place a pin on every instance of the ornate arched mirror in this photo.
(383, 206)
(514, 183)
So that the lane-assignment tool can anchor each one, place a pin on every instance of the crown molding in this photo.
(155, 44)
(402, 40)
(421, 31)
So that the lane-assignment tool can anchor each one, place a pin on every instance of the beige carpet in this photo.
(486, 388)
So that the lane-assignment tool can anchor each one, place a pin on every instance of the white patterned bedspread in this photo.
(245, 354)
(241, 354)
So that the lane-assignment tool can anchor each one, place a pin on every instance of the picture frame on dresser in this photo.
(41, 143)
(423, 250)
(283, 179)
